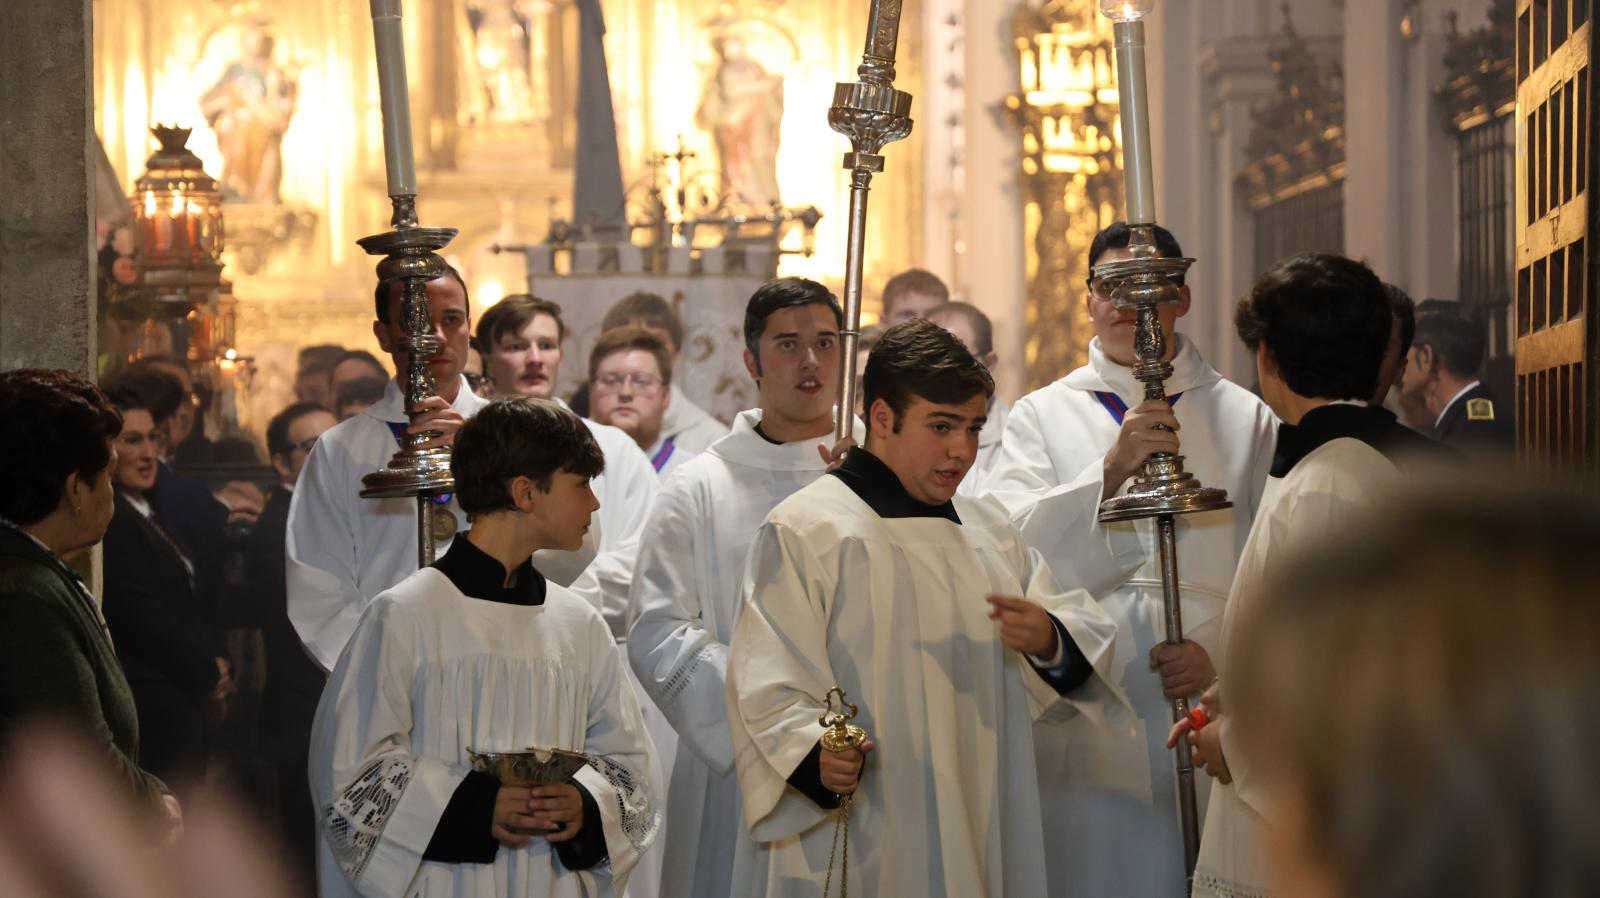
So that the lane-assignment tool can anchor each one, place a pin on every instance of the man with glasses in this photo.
(630, 382)
(293, 681)
(1110, 815)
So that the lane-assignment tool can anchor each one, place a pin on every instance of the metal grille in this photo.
(1308, 222)
(1557, 389)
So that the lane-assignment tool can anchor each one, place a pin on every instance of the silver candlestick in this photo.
(1143, 283)
(410, 258)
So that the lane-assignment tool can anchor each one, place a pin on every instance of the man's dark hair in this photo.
(518, 436)
(649, 310)
(510, 315)
(915, 280)
(1404, 311)
(70, 429)
(1457, 341)
(982, 328)
(1325, 321)
(318, 359)
(278, 428)
(624, 339)
(386, 291)
(1118, 235)
(783, 293)
(365, 390)
(920, 359)
(155, 390)
(361, 355)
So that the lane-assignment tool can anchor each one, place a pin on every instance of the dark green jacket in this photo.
(57, 661)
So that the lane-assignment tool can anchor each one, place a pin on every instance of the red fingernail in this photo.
(1197, 717)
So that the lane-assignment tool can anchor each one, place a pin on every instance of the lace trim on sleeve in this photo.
(680, 678)
(1209, 884)
(355, 820)
(640, 818)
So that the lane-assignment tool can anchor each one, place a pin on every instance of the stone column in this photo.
(992, 217)
(47, 262)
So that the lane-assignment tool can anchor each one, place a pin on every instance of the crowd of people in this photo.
(624, 576)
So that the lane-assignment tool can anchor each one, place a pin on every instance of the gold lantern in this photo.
(177, 211)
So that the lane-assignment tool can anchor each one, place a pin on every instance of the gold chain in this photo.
(841, 827)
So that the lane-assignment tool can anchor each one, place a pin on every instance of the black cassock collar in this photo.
(1377, 427)
(868, 477)
(479, 575)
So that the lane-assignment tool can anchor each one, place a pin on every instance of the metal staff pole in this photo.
(1162, 489)
(411, 258)
(871, 113)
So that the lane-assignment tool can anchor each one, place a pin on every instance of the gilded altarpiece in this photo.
(283, 100)
(1071, 171)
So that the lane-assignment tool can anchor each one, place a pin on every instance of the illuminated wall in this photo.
(296, 270)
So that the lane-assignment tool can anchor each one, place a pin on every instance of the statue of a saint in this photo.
(505, 48)
(249, 108)
(742, 107)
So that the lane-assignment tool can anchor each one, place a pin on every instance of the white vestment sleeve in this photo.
(377, 804)
(631, 486)
(1094, 633)
(1316, 514)
(320, 555)
(680, 664)
(622, 775)
(777, 669)
(1061, 519)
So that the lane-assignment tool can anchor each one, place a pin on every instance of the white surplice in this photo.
(685, 596)
(893, 611)
(429, 673)
(1110, 812)
(1321, 499)
(693, 427)
(989, 440)
(342, 550)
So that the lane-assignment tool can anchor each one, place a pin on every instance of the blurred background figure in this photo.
(355, 365)
(56, 658)
(691, 428)
(293, 681)
(353, 397)
(313, 379)
(912, 294)
(630, 382)
(1441, 376)
(165, 631)
(1427, 692)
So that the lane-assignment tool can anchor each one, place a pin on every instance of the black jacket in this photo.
(294, 681)
(1475, 423)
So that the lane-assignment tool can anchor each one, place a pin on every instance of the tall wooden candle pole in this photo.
(411, 259)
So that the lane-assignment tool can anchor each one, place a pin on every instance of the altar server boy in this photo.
(481, 652)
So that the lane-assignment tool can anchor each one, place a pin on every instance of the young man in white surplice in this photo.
(1319, 326)
(686, 587)
(1110, 811)
(480, 653)
(937, 620)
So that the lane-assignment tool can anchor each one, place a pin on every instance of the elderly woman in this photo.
(165, 632)
(56, 659)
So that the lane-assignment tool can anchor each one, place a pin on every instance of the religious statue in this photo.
(249, 108)
(503, 61)
(742, 107)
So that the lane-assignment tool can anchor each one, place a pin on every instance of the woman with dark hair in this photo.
(165, 637)
(56, 500)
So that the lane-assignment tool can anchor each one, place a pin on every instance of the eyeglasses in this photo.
(641, 382)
